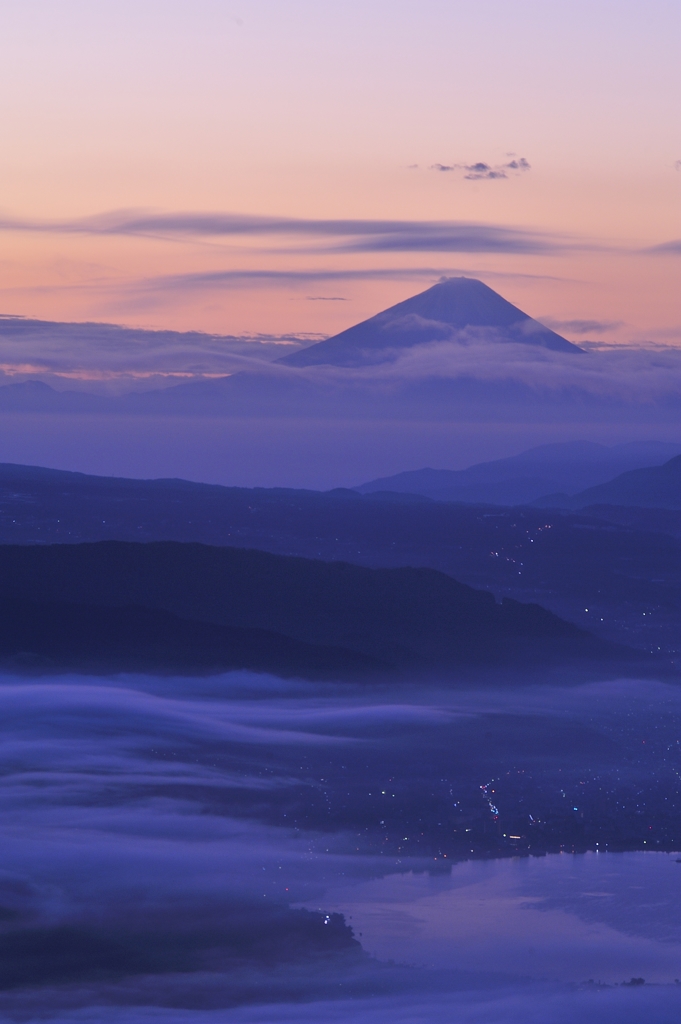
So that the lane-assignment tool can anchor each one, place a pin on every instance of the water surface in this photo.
(608, 916)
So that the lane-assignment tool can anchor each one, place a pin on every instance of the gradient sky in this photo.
(298, 113)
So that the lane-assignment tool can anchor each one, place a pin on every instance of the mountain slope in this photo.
(653, 487)
(411, 619)
(615, 571)
(568, 467)
(438, 314)
(57, 635)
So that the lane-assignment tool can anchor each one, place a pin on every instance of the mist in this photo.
(190, 844)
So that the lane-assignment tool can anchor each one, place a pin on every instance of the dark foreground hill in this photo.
(87, 597)
(39, 636)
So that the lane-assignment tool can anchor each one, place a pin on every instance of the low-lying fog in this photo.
(183, 849)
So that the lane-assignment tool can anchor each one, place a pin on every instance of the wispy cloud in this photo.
(140, 222)
(268, 278)
(360, 235)
(481, 171)
(672, 248)
(634, 377)
(109, 357)
(581, 326)
(461, 237)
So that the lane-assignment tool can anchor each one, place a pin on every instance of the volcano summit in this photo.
(456, 309)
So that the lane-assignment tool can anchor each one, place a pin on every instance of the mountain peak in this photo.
(441, 313)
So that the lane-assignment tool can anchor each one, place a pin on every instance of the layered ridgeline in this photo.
(458, 308)
(613, 570)
(557, 470)
(188, 607)
(649, 487)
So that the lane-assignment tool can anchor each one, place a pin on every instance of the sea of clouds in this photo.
(110, 359)
(130, 891)
(92, 356)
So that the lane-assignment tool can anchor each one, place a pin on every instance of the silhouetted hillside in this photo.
(90, 638)
(613, 571)
(521, 479)
(406, 618)
(653, 487)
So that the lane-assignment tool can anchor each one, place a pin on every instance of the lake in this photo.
(608, 917)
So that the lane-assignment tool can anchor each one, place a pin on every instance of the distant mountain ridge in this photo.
(649, 487)
(584, 567)
(552, 469)
(438, 314)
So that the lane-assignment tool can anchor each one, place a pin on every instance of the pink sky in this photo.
(312, 111)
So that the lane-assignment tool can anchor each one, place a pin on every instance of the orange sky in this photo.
(316, 111)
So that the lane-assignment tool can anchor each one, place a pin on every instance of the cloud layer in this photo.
(92, 356)
(476, 359)
(481, 171)
(139, 879)
(368, 235)
(582, 326)
(672, 248)
(96, 356)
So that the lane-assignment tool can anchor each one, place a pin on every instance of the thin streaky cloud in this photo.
(291, 278)
(581, 326)
(459, 238)
(378, 235)
(220, 223)
(672, 248)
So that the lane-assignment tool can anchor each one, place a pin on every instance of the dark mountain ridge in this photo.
(37, 636)
(409, 619)
(613, 570)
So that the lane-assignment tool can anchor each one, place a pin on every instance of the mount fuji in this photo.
(456, 374)
(458, 308)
